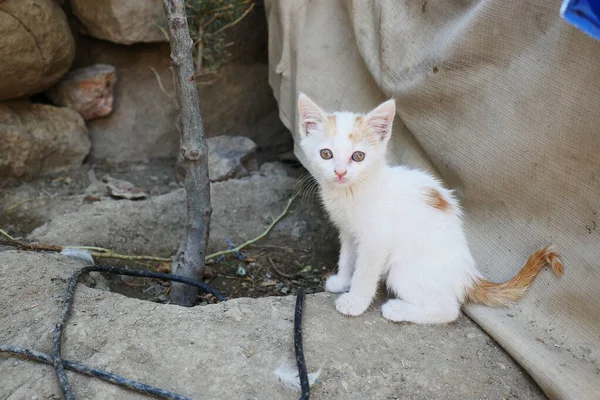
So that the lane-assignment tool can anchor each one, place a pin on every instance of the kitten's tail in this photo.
(501, 294)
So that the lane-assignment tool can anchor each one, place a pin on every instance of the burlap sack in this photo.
(502, 99)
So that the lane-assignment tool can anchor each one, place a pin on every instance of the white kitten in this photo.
(396, 224)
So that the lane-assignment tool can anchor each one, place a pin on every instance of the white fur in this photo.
(80, 254)
(289, 378)
(387, 228)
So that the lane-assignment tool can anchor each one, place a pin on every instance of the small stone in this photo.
(89, 91)
(471, 335)
(285, 290)
(273, 169)
(229, 157)
(299, 230)
(163, 298)
(241, 271)
(122, 189)
(501, 366)
(90, 198)
(208, 273)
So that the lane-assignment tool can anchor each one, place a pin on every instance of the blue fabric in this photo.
(584, 14)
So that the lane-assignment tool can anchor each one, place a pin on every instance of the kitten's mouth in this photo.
(342, 179)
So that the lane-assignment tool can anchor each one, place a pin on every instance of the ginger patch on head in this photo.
(330, 128)
(360, 132)
(436, 200)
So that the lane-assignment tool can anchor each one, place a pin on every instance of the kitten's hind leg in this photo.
(397, 310)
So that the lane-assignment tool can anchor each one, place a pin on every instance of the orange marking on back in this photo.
(436, 200)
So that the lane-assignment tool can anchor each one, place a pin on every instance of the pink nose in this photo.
(340, 173)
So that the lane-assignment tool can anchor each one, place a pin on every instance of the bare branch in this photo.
(189, 261)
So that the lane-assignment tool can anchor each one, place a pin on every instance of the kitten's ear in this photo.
(379, 121)
(311, 117)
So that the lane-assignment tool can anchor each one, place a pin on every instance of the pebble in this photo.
(299, 230)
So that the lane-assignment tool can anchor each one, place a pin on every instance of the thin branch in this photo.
(6, 234)
(229, 25)
(10, 209)
(160, 84)
(199, 51)
(132, 258)
(256, 239)
(278, 271)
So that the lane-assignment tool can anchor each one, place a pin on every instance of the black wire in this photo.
(56, 357)
(60, 365)
(93, 372)
(302, 373)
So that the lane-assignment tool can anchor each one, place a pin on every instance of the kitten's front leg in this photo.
(341, 281)
(363, 286)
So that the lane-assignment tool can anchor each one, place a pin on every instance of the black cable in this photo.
(302, 373)
(93, 372)
(60, 365)
(56, 358)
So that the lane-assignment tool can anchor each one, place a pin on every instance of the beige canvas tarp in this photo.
(502, 99)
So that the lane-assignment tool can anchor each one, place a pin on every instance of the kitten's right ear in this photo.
(311, 118)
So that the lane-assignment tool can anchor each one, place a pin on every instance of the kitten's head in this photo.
(342, 148)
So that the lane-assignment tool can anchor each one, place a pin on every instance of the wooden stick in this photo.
(189, 261)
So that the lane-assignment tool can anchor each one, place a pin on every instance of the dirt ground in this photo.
(270, 267)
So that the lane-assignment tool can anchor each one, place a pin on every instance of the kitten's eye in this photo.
(358, 156)
(326, 154)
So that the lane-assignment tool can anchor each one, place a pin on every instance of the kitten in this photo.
(396, 223)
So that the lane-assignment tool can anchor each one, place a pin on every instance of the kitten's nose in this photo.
(340, 172)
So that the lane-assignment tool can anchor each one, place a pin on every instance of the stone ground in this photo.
(230, 350)
(227, 350)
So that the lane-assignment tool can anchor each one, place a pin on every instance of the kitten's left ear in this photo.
(379, 121)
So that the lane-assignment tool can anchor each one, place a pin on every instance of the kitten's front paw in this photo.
(352, 305)
(337, 284)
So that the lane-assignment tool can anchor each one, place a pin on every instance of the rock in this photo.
(299, 230)
(143, 124)
(122, 189)
(365, 357)
(89, 91)
(38, 139)
(124, 22)
(228, 157)
(273, 169)
(36, 46)
(156, 225)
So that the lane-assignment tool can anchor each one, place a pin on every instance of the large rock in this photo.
(143, 124)
(37, 139)
(124, 22)
(89, 91)
(156, 225)
(36, 46)
(230, 350)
